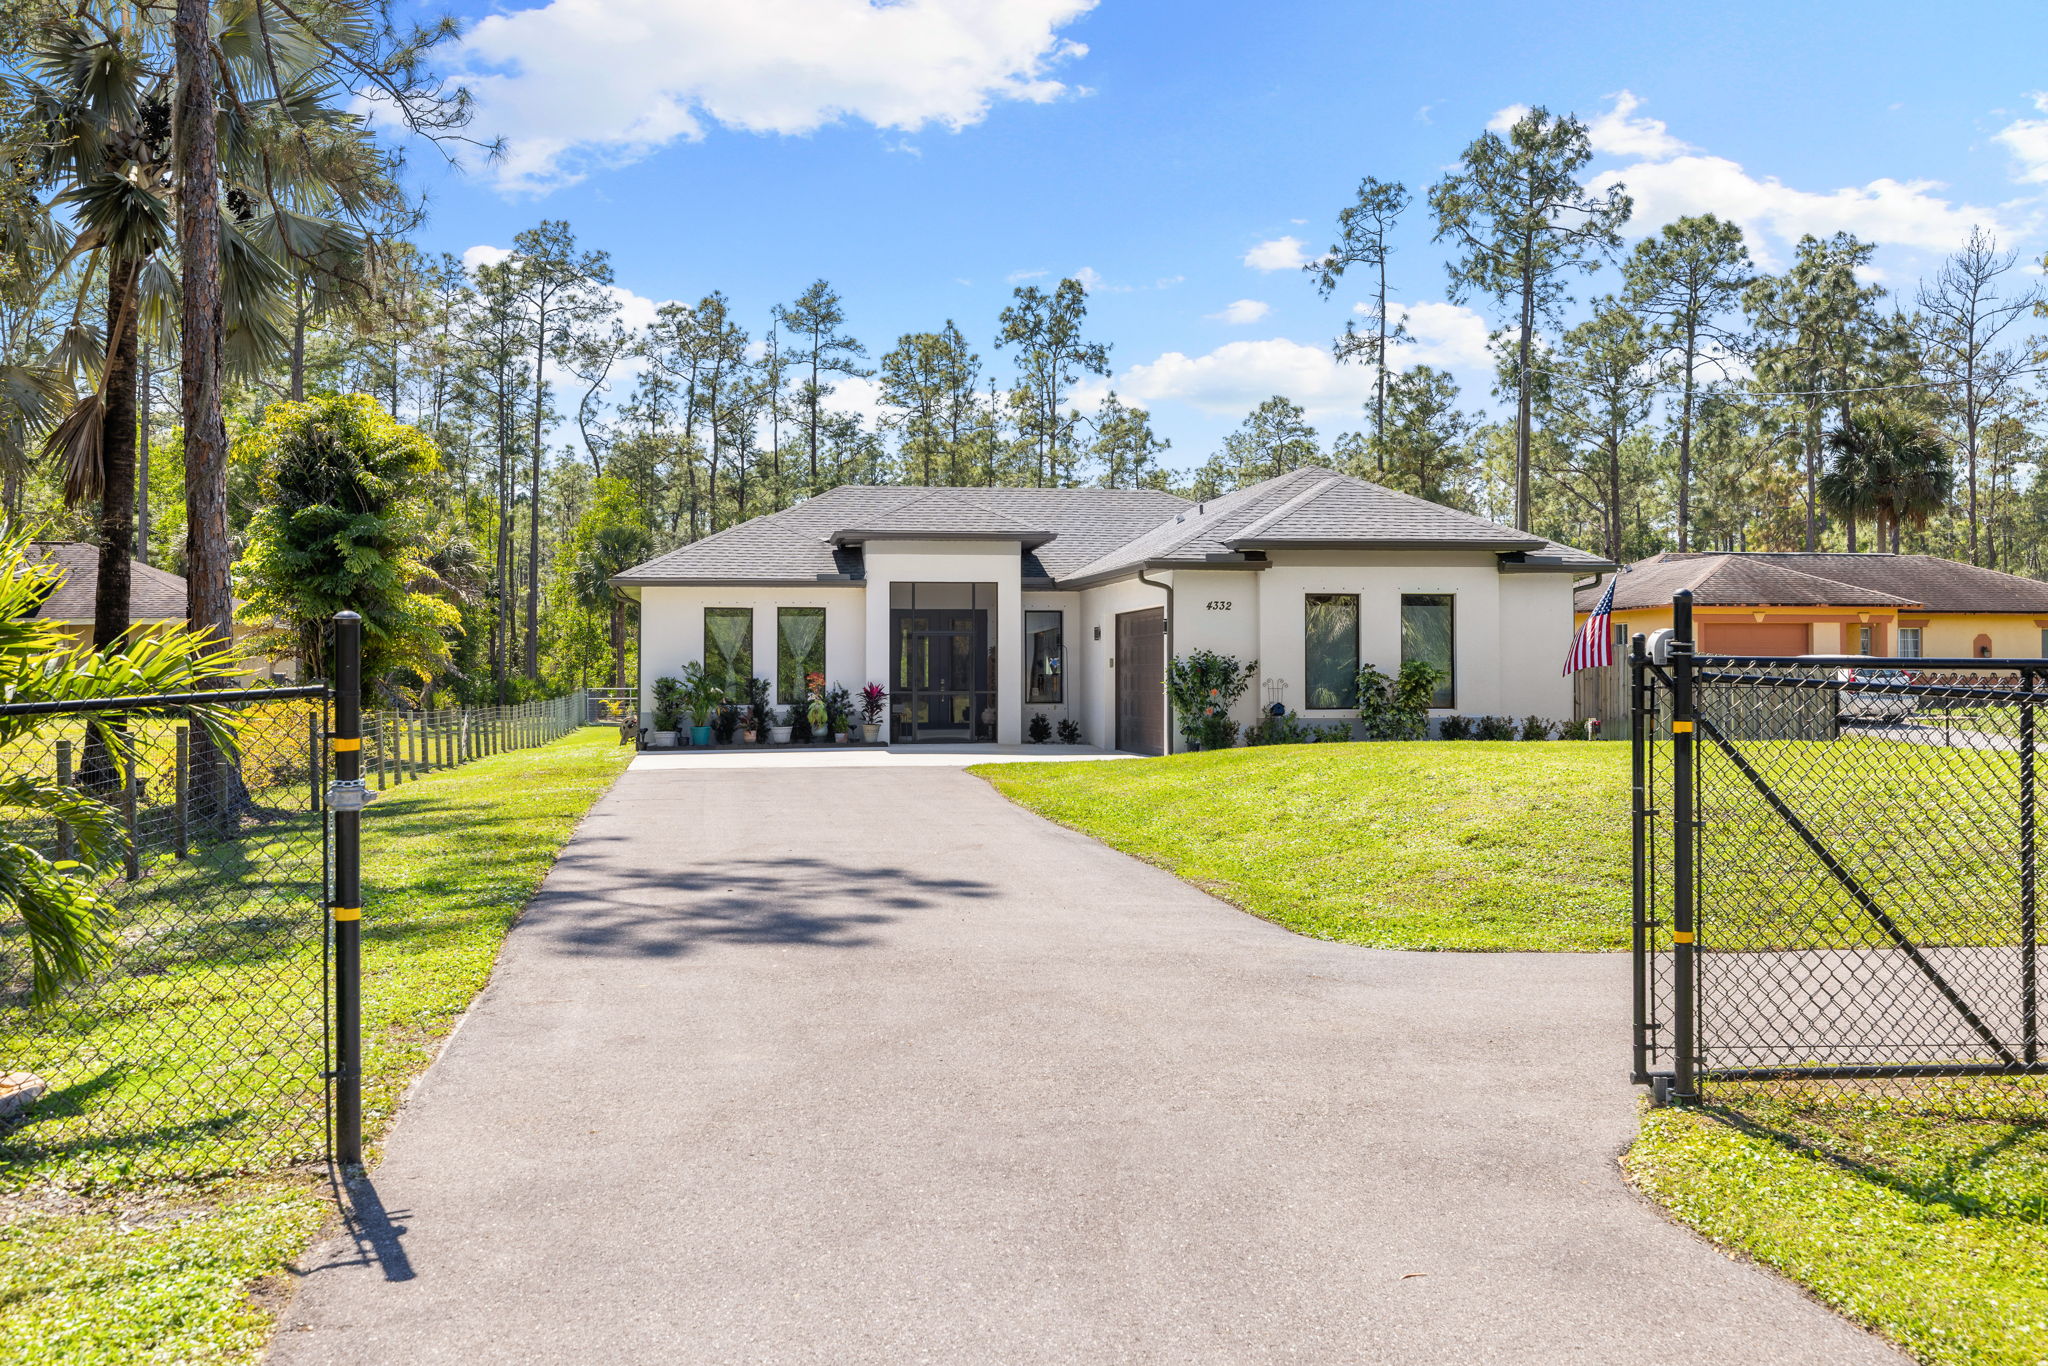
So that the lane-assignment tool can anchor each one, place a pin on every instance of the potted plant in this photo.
(780, 724)
(668, 713)
(759, 711)
(872, 699)
(700, 695)
(816, 715)
(839, 713)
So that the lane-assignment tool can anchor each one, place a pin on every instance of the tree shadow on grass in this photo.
(1926, 1183)
(598, 904)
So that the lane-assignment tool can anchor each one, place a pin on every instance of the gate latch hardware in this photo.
(348, 794)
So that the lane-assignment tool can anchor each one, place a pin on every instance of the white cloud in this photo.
(1448, 336)
(483, 254)
(1281, 253)
(1238, 375)
(1018, 277)
(1619, 133)
(1089, 277)
(2027, 141)
(1907, 213)
(1616, 132)
(1233, 378)
(575, 85)
(1242, 311)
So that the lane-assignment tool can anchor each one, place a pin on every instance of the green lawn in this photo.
(1923, 1215)
(101, 1265)
(1468, 845)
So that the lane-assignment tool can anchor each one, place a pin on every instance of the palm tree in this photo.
(1847, 487)
(1891, 465)
(303, 184)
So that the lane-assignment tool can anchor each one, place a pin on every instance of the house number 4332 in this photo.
(1219, 605)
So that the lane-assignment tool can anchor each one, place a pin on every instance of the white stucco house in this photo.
(976, 607)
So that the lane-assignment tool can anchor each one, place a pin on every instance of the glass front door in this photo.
(944, 675)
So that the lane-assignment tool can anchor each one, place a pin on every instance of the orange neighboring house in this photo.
(1792, 603)
(156, 597)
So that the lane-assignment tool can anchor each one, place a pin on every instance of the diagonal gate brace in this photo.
(1841, 874)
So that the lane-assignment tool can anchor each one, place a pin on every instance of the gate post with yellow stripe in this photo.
(346, 799)
(1684, 753)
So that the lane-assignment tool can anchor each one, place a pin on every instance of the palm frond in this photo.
(76, 445)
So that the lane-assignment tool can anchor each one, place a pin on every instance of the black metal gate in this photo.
(219, 1026)
(1835, 866)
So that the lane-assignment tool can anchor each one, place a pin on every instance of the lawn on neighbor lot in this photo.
(120, 1270)
(1424, 845)
(1920, 1212)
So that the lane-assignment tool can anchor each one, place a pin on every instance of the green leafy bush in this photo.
(1285, 729)
(1536, 728)
(668, 704)
(1040, 729)
(1454, 728)
(1070, 732)
(1397, 708)
(1201, 687)
(1494, 728)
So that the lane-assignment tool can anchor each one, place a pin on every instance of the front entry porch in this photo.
(943, 647)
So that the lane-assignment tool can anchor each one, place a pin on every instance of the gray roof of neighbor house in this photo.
(154, 594)
(1796, 579)
(1072, 537)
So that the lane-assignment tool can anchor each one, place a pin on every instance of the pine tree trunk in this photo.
(1522, 404)
(207, 553)
(533, 509)
(209, 604)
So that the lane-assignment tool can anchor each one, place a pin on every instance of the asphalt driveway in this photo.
(866, 1065)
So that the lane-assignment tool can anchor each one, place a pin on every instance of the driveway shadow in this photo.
(668, 912)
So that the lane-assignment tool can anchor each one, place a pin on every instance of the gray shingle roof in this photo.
(1086, 535)
(944, 508)
(1937, 584)
(154, 594)
(794, 545)
(1318, 507)
(1733, 580)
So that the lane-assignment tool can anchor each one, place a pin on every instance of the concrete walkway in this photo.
(869, 1066)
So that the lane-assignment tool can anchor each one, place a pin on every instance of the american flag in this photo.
(1593, 646)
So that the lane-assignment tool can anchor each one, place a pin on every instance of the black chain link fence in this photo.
(1836, 871)
(200, 1045)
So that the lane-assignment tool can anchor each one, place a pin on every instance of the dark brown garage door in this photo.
(1754, 638)
(1141, 681)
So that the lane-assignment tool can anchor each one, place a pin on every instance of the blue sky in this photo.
(926, 156)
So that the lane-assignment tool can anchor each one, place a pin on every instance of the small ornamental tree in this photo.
(1397, 708)
(343, 521)
(1202, 687)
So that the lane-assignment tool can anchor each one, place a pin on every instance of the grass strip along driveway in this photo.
(1430, 845)
(1921, 1212)
(122, 1271)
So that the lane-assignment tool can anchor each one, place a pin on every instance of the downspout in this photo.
(1168, 589)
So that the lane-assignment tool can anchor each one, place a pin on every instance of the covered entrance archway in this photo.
(942, 639)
